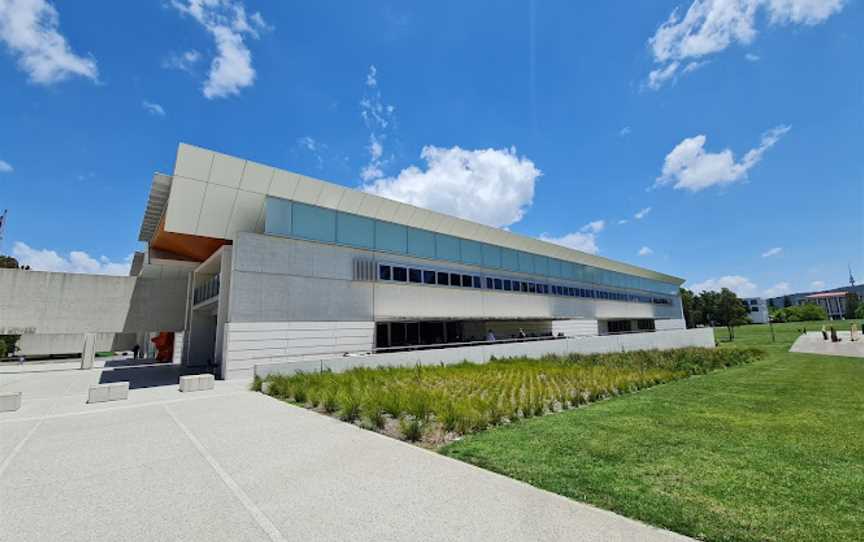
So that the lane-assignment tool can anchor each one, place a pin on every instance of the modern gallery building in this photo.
(279, 266)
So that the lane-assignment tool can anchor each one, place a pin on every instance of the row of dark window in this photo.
(444, 278)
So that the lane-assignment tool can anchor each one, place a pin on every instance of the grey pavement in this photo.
(813, 343)
(231, 464)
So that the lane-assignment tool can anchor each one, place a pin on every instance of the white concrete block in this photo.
(115, 391)
(200, 382)
(10, 401)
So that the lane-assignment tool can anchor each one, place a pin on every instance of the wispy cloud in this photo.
(641, 213)
(153, 108)
(6, 167)
(742, 286)
(710, 26)
(817, 284)
(314, 148)
(229, 25)
(752, 58)
(689, 166)
(776, 251)
(378, 118)
(781, 288)
(185, 61)
(31, 31)
(624, 132)
(645, 251)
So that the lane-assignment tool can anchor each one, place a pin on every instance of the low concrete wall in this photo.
(248, 343)
(71, 343)
(660, 340)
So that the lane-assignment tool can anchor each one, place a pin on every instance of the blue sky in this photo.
(728, 135)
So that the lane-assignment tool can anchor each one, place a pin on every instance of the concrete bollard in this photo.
(115, 391)
(200, 382)
(10, 401)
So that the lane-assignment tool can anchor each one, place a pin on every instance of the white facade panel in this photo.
(307, 190)
(247, 209)
(184, 205)
(670, 323)
(193, 162)
(218, 204)
(227, 170)
(284, 184)
(257, 178)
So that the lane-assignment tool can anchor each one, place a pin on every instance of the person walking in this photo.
(135, 350)
(490, 336)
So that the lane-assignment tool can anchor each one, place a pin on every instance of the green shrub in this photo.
(467, 397)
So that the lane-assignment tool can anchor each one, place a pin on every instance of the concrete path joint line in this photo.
(260, 518)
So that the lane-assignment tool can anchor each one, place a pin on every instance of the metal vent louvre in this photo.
(364, 269)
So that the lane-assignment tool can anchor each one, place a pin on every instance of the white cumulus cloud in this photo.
(781, 288)
(228, 23)
(776, 251)
(711, 26)
(31, 31)
(689, 166)
(585, 239)
(153, 108)
(76, 261)
(491, 186)
(6, 167)
(742, 286)
(645, 251)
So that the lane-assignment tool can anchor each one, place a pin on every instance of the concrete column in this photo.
(88, 351)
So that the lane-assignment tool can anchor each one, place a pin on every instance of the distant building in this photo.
(834, 303)
(800, 298)
(757, 309)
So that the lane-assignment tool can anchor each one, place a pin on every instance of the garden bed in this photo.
(434, 405)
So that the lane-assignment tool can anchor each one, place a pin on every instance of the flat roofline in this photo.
(195, 165)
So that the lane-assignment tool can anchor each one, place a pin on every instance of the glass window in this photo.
(391, 237)
(508, 286)
(421, 243)
(491, 256)
(466, 281)
(541, 265)
(471, 252)
(277, 216)
(488, 283)
(455, 279)
(476, 282)
(524, 286)
(428, 277)
(443, 279)
(532, 288)
(509, 259)
(545, 288)
(498, 285)
(446, 247)
(555, 267)
(384, 272)
(526, 262)
(414, 275)
(355, 231)
(568, 271)
(316, 223)
(400, 274)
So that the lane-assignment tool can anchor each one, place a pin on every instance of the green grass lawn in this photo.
(772, 450)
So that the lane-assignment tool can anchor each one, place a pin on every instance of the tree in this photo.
(730, 311)
(687, 301)
(8, 344)
(859, 312)
(8, 262)
(851, 305)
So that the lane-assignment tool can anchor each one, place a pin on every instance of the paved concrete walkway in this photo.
(230, 464)
(813, 343)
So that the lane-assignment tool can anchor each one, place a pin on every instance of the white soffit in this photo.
(196, 168)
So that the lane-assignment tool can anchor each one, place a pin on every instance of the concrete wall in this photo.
(672, 323)
(281, 279)
(40, 306)
(248, 344)
(660, 340)
(71, 343)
